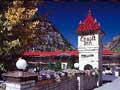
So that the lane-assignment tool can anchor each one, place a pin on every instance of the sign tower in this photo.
(89, 43)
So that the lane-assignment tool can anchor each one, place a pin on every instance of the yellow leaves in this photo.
(16, 2)
(17, 12)
(14, 15)
(30, 13)
(1, 31)
(36, 22)
(1, 22)
(0, 15)
(14, 43)
(33, 24)
(21, 10)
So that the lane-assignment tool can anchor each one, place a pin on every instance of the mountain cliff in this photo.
(48, 37)
(114, 44)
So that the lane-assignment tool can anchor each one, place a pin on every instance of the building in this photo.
(90, 43)
(55, 48)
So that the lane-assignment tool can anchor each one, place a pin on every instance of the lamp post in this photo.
(21, 64)
(76, 65)
(19, 80)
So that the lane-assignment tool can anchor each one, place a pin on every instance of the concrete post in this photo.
(18, 80)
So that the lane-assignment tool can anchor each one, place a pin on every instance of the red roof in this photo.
(89, 24)
(52, 53)
(60, 53)
(108, 52)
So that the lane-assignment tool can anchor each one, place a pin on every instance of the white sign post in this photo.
(89, 48)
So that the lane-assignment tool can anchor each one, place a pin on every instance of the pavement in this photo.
(114, 85)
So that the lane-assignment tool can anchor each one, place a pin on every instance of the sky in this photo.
(67, 15)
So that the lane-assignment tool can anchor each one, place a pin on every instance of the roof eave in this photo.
(88, 32)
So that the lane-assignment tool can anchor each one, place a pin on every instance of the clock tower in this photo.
(89, 43)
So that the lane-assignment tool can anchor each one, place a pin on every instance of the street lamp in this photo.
(21, 64)
(76, 65)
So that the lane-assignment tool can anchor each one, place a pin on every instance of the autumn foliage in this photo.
(17, 29)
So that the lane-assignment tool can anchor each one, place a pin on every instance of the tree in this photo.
(17, 29)
(117, 49)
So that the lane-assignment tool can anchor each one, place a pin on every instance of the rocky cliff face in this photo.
(114, 44)
(49, 38)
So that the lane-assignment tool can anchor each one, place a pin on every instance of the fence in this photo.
(86, 83)
(65, 84)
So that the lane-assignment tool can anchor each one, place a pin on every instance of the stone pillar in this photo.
(18, 80)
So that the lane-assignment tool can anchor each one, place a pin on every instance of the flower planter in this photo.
(44, 82)
(64, 78)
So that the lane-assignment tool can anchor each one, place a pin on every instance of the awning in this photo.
(108, 52)
(60, 52)
(51, 53)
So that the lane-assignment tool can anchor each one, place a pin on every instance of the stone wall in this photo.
(26, 85)
(65, 84)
